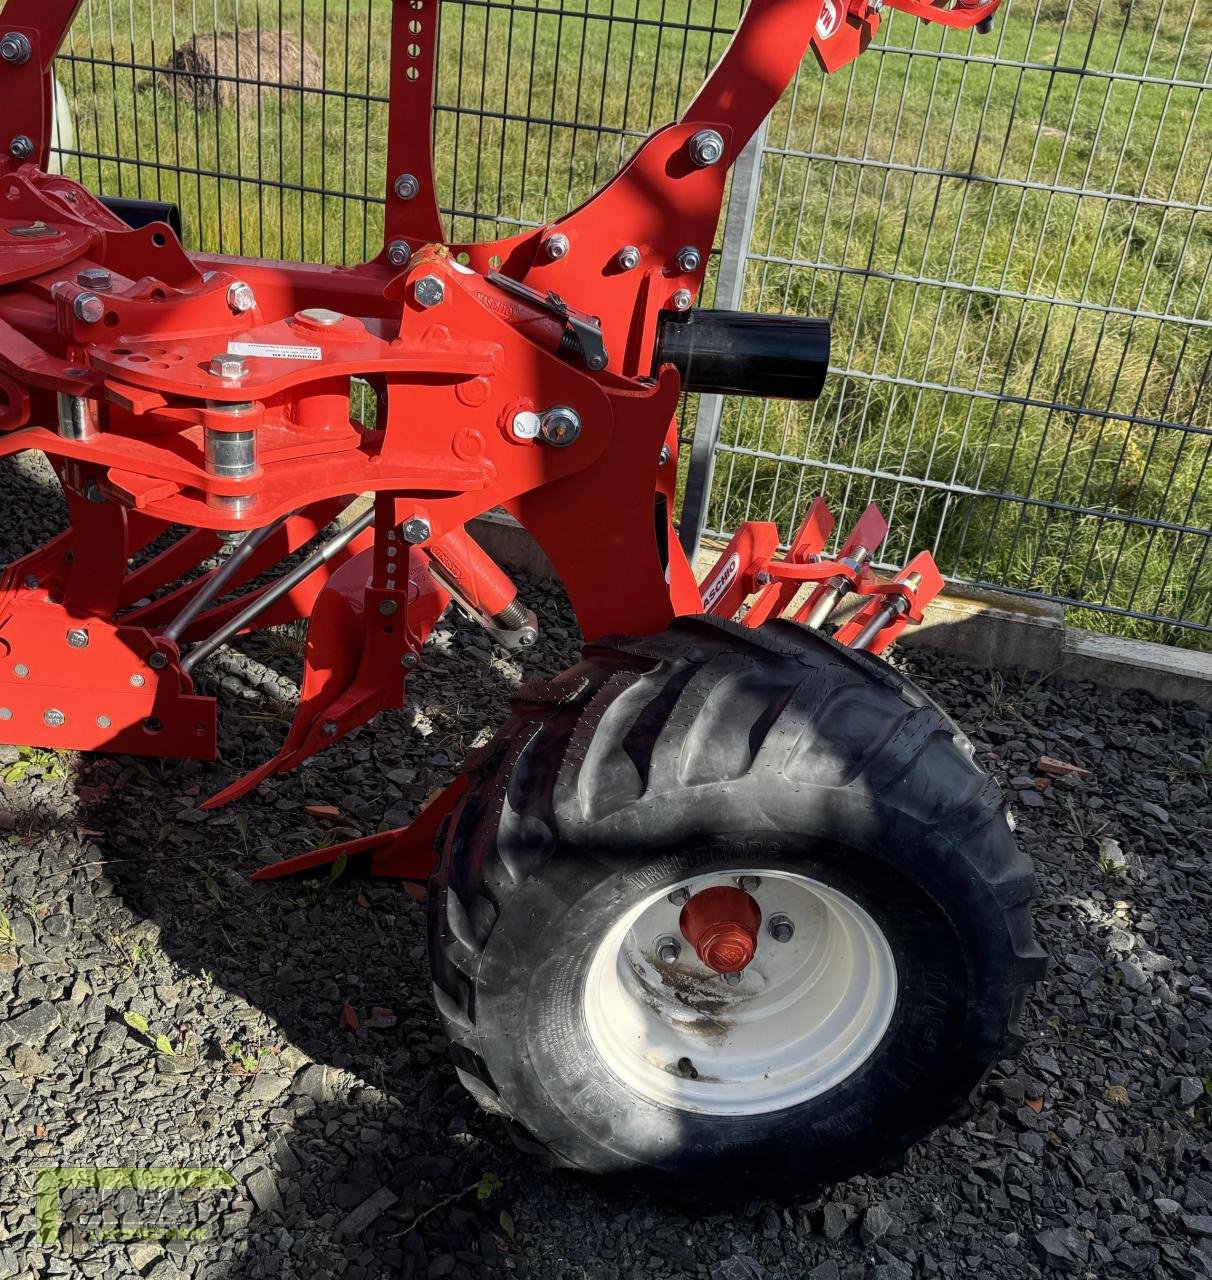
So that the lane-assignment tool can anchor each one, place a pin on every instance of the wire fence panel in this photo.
(1012, 235)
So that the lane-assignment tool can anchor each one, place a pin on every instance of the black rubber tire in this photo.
(712, 746)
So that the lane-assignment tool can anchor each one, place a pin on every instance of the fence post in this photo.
(730, 285)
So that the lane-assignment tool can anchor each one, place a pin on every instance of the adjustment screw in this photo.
(228, 366)
(21, 147)
(406, 187)
(628, 257)
(240, 297)
(556, 245)
(429, 291)
(77, 637)
(748, 883)
(681, 300)
(679, 896)
(668, 948)
(732, 979)
(95, 278)
(15, 48)
(398, 253)
(88, 307)
(157, 660)
(53, 717)
(706, 148)
(560, 426)
(688, 259)
(525, 425)
(387, 608)
(416, 530)
(329, 728)
(781, 928)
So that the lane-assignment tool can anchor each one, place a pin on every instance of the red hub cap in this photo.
(721, 924)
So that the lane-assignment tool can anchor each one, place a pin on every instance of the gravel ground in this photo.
(307, 1061)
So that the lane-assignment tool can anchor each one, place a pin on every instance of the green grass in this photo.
(594, 61)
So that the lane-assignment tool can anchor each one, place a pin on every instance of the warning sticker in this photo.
(274, 350)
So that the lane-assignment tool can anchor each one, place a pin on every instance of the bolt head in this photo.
(15, 48)
(416, 530)
(781, 928)
(53, 717)
(329, 728)
(6, 713)
(398, 253)
(103, 722)
(555, 246)
(408, 661)
(21, 147)
(665, 455)
(240, 297)
(689, 259)
(95, 278)
(679, 896)
(681, 300)
(733, 979)
(77, 637)
(706, 148)
(560, 425)
(88, 307)
(668, 948)
(138, 681)
(526, 425)
(748, 883)
(628, 257)
(387, 608)
(429, 291)
(20, 669)
(406, 187)
(228, 366)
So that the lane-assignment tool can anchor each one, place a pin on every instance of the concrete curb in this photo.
(990, 628)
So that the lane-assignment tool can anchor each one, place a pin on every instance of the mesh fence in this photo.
(1012, 235)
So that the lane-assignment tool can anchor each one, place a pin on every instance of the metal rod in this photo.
(834, 589)
(882, 617)
(274, 592)
(219, 579)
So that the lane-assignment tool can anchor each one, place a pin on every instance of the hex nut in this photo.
(398, 253)
(781, 928)
(689, 259)
(88, 308)
(628, 257)
(429, 291)
(225, 365)
(21, 147)
(15, 48)
(706, 148)
(406, 187)
(97, 279)
(556, 246)
(681, 300)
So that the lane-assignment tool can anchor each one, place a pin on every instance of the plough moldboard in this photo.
(797, 869)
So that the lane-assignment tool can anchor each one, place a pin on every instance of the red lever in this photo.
(721, 924)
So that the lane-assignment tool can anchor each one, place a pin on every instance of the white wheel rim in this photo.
(805, 1015)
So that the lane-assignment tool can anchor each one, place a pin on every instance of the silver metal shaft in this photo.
(219, 579)
(273, 593)
(882, 617)
(834, 589)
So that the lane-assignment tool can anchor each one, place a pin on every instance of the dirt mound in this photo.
(217, 67)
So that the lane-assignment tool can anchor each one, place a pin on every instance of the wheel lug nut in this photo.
(668, 948)
(678, 896)
(732, 979)
(781, 928)
(749, 883)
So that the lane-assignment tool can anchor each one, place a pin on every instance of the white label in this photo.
(721, 582)
(830, 19)
(274, 351)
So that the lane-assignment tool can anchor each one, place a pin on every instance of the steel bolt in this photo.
(138, 680)
(706, 148)
(398, 253)
(526, 425)
(429, 291)
(681, 300)
(406, 187)
(228, 366)
(628, 257)
(103, 722)
(732, 979)
(387, 608)
(15, 48)
(20, 669)
(668, 948)
(157, 660)
(31, 581)
(53, 717)
(688, 259)
(665, 455)
(95, 278)
(560, 425)
(781, 928)
(748, 883)
(556, 245)
(240, 297)
(416, 530)
(21, 147)
(329, 728)
(6, 713)
(408, 661)
(77, 637)
(679, 896)
(88, 307)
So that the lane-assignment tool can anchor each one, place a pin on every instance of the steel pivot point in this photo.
(706, 148)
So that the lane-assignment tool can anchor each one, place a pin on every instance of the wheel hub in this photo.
(721, 924)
